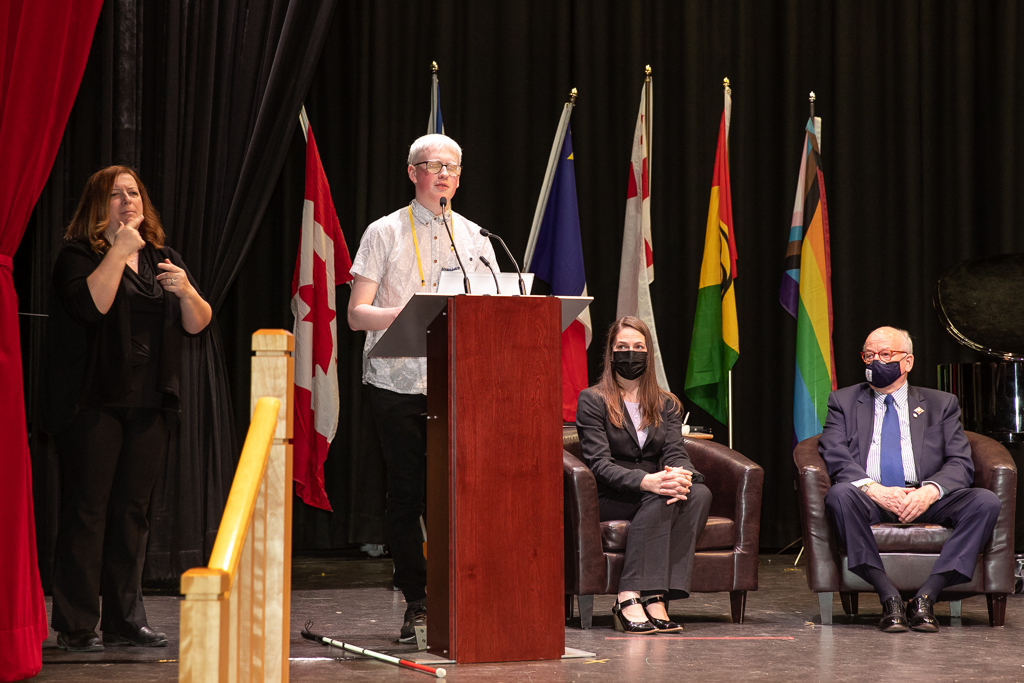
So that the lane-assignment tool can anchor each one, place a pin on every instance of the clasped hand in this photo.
(907, 504)
(673, 482)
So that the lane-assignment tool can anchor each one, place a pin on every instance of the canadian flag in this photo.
(636, 271)
(322, 263)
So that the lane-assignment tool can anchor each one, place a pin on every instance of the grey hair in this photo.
(432, 142)
(903, 335)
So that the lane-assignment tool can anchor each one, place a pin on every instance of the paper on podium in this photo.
(407, 336)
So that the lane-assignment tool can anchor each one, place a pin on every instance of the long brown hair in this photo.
(649, 393)
(91, 219)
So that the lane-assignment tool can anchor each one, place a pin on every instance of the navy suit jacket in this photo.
(613, 453)
(941, 451)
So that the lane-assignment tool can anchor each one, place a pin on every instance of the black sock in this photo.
(883, 586)
(935, 583)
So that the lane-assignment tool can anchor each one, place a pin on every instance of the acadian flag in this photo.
(554, 254)
(636, 270)
(806, 292)
(434, 123)
(715, 345)
(322, 263)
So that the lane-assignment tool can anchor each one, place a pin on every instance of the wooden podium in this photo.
(495, 569)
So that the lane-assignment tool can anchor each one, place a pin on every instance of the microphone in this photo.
(465, 277)
(522, 285)
(483, 260)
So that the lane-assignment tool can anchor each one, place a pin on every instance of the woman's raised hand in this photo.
(127, 239)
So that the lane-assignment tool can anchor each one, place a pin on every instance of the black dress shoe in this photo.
(82, 640)
(662, 625)
(921, 614)
(625, 625)
(415, 615)
(894, 617)
(143, 637)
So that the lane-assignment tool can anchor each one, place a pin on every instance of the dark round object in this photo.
(980, 300)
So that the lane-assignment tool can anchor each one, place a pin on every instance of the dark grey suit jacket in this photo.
(941, 451)
(614, 455)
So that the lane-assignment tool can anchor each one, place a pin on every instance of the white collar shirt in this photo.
(387, 255)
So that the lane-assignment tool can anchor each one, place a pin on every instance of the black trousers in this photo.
(662, 539)
(109, 462)
(402, 424)
(971, 513)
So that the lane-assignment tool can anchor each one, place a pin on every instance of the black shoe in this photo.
(625, 625)
(894, 617)
(921, 614)
(82, 640)
(663, 626)
(415, 615)
(143, 637)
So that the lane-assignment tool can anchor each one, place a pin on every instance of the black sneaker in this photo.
(415, 615)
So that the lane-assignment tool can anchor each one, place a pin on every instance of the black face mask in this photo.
(629, 364)
(881, 375)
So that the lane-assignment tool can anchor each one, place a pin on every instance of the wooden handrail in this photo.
(236, 613)
(246, 486)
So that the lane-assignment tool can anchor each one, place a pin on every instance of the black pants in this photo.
(402, 424)
(971, 513)
(109, 462)
(662, 539)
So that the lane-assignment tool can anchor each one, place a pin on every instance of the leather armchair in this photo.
(908, 551)
(726, 556)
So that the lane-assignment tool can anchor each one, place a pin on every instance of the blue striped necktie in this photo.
(891, 464)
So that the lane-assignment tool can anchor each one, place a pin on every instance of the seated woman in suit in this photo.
(631, 436)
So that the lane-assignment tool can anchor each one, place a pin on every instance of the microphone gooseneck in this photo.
(465, 277)
(522, 285)
(483, 260)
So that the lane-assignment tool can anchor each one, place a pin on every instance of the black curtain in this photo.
(202, 98)
(919, 149)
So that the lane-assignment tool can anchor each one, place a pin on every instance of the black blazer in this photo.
(88, 353)
(614, 455)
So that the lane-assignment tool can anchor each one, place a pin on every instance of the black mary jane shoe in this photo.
(82, 640)
(894, 616)
(921, 614)
(142, 637)
(663, 625)
(625, 625)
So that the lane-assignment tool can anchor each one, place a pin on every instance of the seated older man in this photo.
(898, 453)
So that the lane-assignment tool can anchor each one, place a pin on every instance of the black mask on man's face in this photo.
(629, 364)
(880, 375)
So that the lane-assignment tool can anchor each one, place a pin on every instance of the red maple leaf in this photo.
(320, 314)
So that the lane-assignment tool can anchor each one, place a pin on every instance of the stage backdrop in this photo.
(920, 150)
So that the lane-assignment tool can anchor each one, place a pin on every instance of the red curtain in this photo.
(43, 48)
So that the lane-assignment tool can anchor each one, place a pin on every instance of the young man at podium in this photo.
(400, 254)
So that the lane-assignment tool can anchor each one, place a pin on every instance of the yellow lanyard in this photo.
(416, 243)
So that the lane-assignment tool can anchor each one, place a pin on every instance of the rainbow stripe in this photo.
(806, 294)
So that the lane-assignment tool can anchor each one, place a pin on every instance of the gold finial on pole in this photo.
(647, 70)
(725, 84)
(433, 67)
(572, 96)
(811, 98)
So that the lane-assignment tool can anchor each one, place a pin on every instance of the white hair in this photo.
(434, 142)
(902, 335)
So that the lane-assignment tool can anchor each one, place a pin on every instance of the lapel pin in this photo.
(918, 411)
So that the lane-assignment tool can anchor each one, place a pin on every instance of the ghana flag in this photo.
(806, 292)
(715, 345)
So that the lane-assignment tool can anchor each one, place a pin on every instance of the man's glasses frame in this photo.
(435, 167)
(884, 356)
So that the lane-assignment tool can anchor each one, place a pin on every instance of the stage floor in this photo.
(781, 640)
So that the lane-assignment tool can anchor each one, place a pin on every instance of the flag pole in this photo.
(304, 123)
(812, 98)
(648, 116)
(549, 174)
(728, 91)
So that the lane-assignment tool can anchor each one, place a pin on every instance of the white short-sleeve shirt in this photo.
(387, 255)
